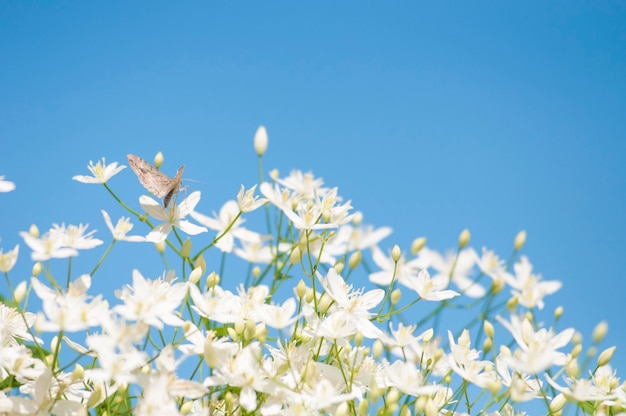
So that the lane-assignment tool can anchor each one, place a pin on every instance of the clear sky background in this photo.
(430, 116)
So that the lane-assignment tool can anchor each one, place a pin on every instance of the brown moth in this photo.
(155, 181)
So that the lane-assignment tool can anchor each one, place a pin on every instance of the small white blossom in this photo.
(101, 172)
(173, 217)
(122, 228)
(6, 186)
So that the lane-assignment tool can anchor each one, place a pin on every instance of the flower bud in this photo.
(354, 260)
(396, 253)
(195, 275)
(339, 267)
(377, 349)
(185, 251)
(256, 271)
(487, 345)
(78, 373)
(494, 386)
(186, 407)
(520, 240)
(488, 327)
(274, 174)
(395, 296)
(558, 312)
(212, 280)
(300, 289)
(160, 246)
(296, 256)
(36, 269)
(260, 141)
(324, 303)
(158, 160)
(464, 238)
(557, 404)
(418, 244)
(20, 291)
(576, 350)
(34, 231)
(405, 411)
(357, 218)
(605, 356)
(497, 285)
(200, 262)
(363, 408)
(600, 331)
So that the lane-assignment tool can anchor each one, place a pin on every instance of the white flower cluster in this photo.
(300, 336)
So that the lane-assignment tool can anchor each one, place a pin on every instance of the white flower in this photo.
(582, 390)
(8, 259)
(362, 237)
(73, 236)
(120, 230)
(173, 217)
(101, 172)
(277, 316)
(153, 302)
(455, 266)
(247, 201)
(353, 304)
(6, 186)
(428, 289)
(70, 311)
(228, 226)
(305, 185)
(47, 247)
(464, 361)
(528, 287)
(537, 349)
(404, 270)
(14, 326)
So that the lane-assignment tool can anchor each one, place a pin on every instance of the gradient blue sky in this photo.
(431, 117)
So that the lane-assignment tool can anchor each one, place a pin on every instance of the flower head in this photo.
(101, 172)
(120, 230)
(173, 217)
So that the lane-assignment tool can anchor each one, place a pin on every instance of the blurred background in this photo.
(430, 117)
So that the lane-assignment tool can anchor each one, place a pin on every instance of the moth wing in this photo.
(174, 186)
(155, 181)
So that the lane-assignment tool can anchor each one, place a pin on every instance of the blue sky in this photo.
(431, 117)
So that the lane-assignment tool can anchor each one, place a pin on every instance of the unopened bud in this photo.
(512, 303)
(494, 386)
(418, 244)
(405, 411)
(256, 271)
(520, 240)
(274, 174)
(600, 331)
(212, 280)
(357, 218)
(158, 160)
(572, 369)
(324, 303)
(396, 253)
(339, 267)
(195, 275)
(497, 285)
(296, 256)
(300, 289)
(185, 251)
(605, 356)
(576, 350)
(395, 296)
(186, 407)
(464, 238)
(160, 246)
(557, 404)
(487, 345)
(36, 269)
(377, 348)
(363, 408)
(260, 141)
(355, 259)
(201, 262)
(20, 291)
(488, 327)
(342, 409)
(34, 231)
(558, 312)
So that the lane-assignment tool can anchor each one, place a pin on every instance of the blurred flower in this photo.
(47, 247)
(101, 172)
(528, 288)
(6, 186)
(14, 326)
(428, 289)
(8, 259)
(73, 236)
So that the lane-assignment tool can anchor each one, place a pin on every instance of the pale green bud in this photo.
(195, 275)
(558, 312)
(404, 411)
(201, 262)
(34, 231)
(494, 386)
(160, 246)
(487, 345)
(363, 408)
(520, 240)
(464, 238)
(576, 350)
(324, 303)
(396, 253)
(37, 269)
(488, 327)
(20, 291)
(212, 280)
(256, 271)
(78, 373)
(577, 338)
(395, 296)
(605, 356)
(377, 349)
(260, 141)
(300, 289)
(185, 251)
(296, 256)
(342, 409)
(358, 218)
(158, 160)
(274, 174)
(339, 267)
(557, 404)
(355, 259)
(186, 407)
(418, 245)
(600, 331)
